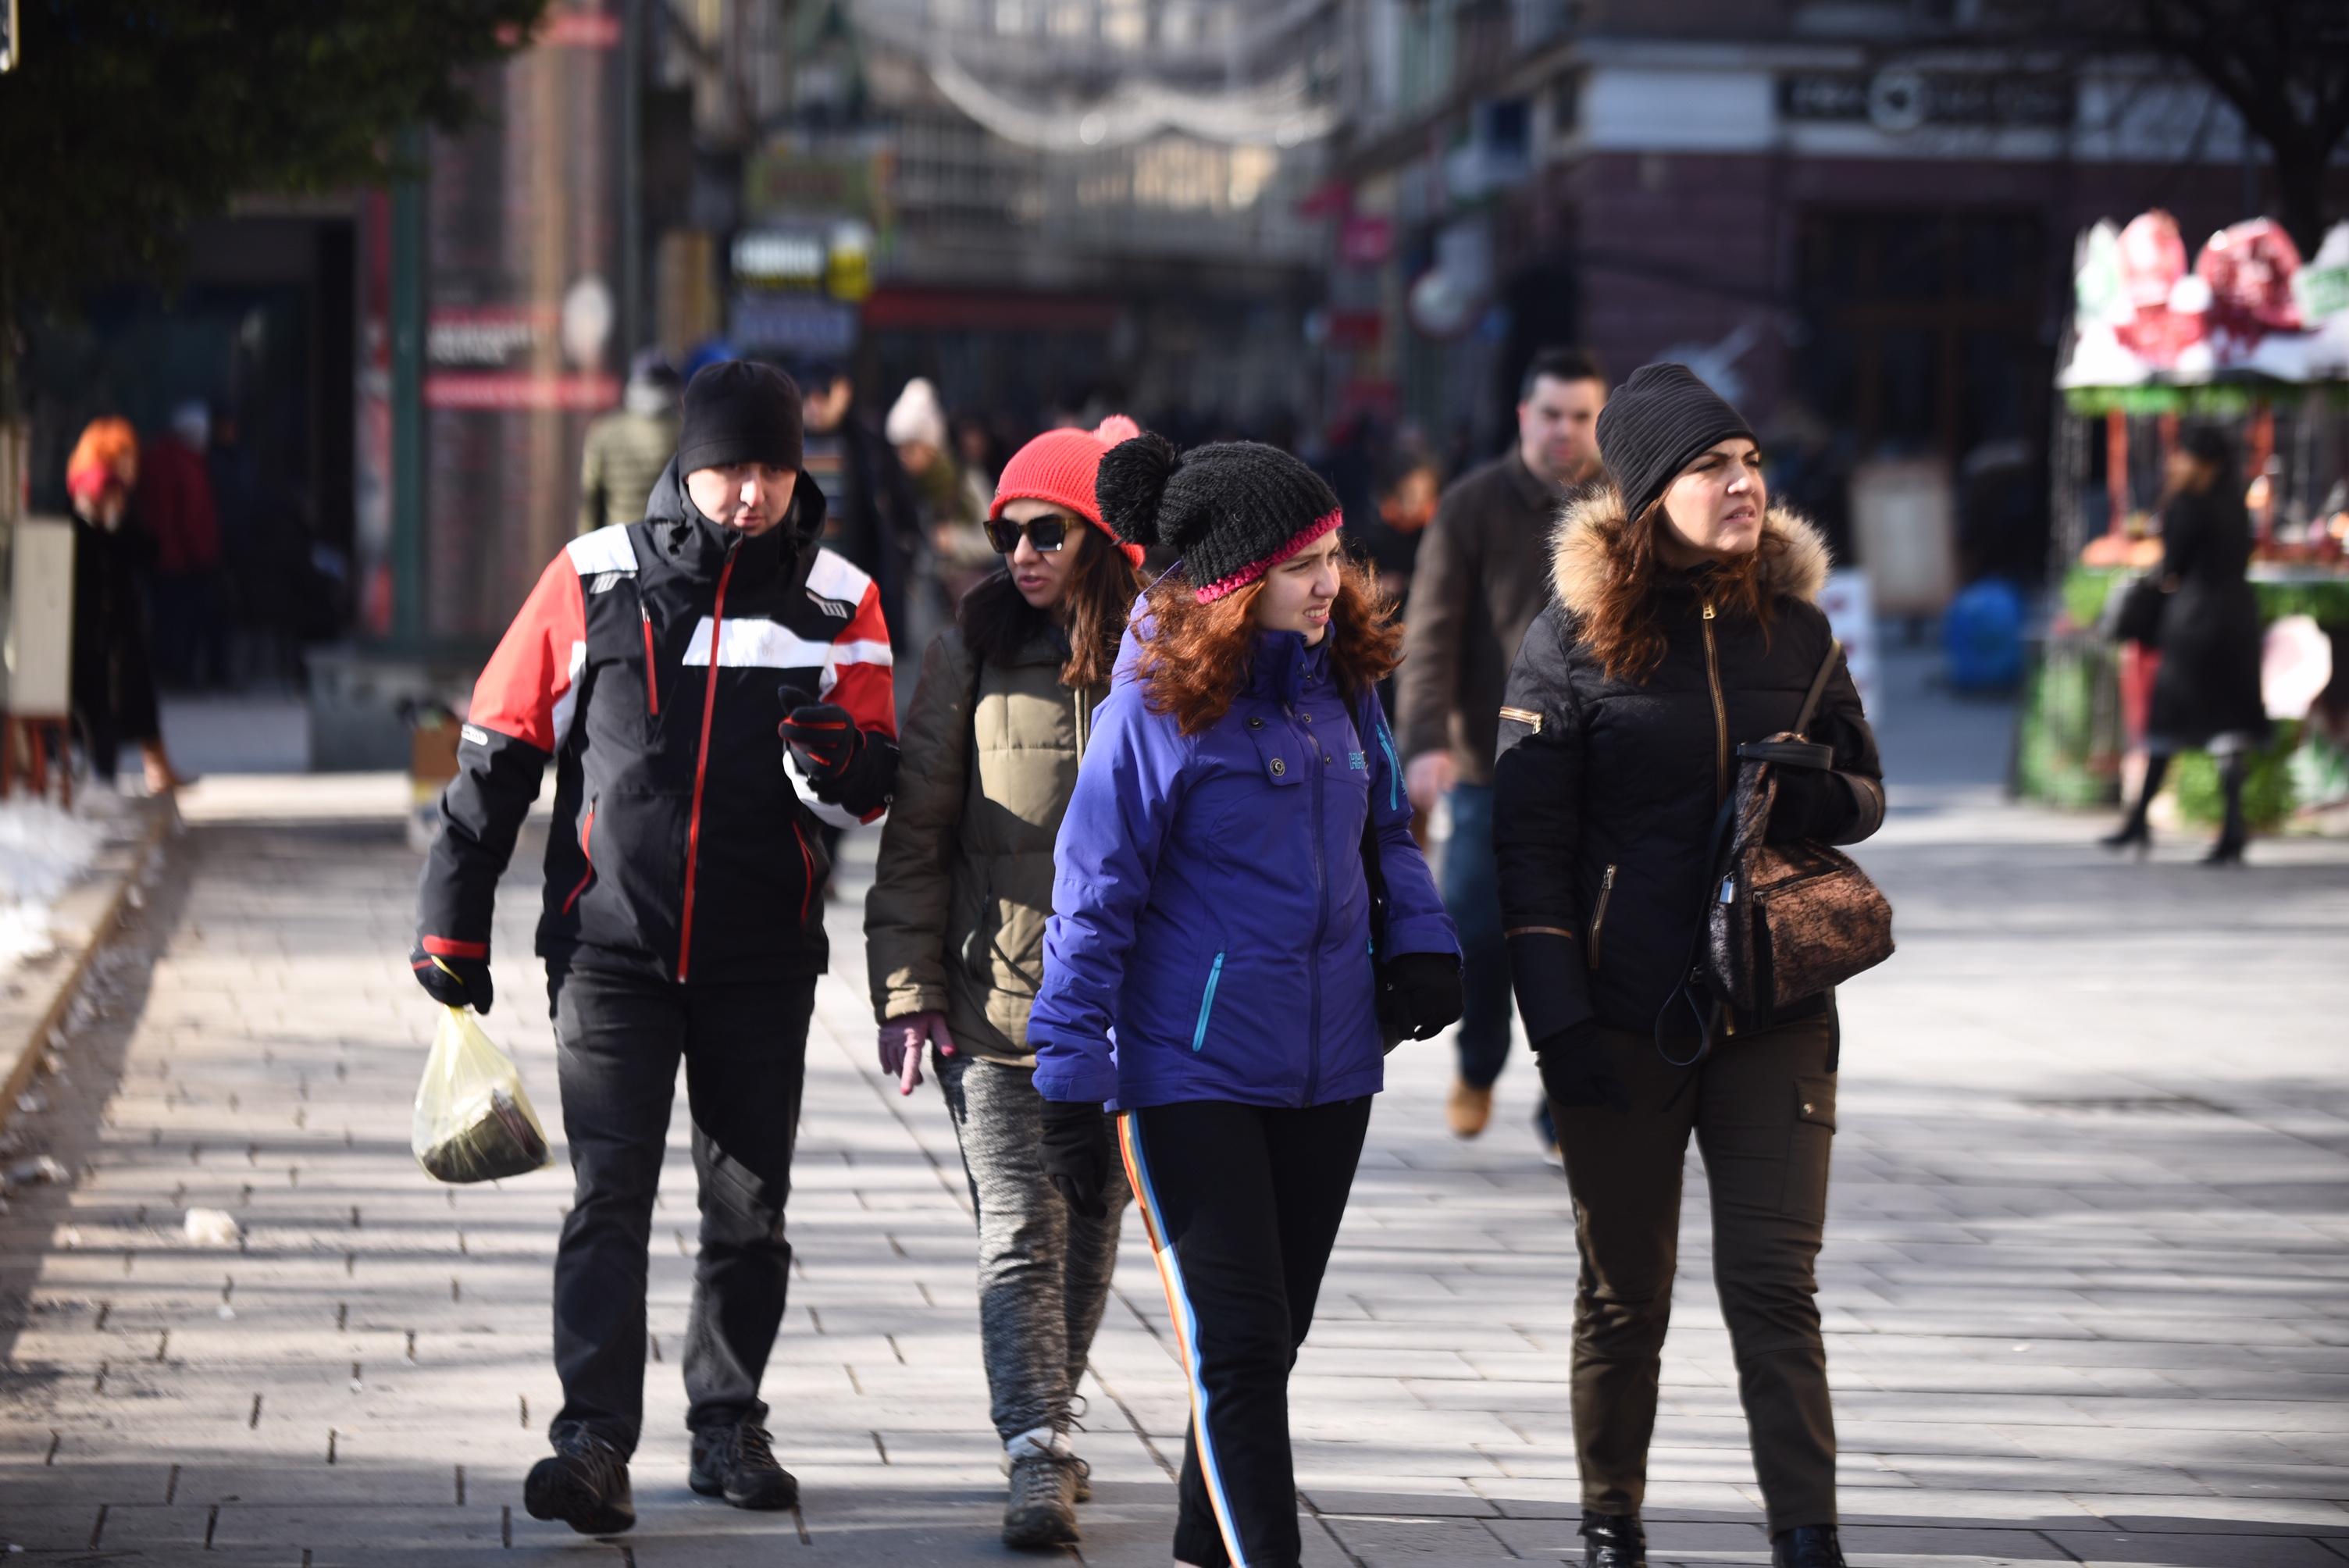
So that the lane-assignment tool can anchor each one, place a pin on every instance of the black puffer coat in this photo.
(1607, 791)
(2209, 682)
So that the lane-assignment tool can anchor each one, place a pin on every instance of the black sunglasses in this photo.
(1046, 533)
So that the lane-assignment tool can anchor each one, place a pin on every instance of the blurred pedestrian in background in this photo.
(1212, 905)
(954, 554)
(2206, 693)
(999, 720)
(1685, 625)
(976, 448)
(176, 508)
(1481, 577)
(628, 446)
(112, 683)
(875, 519)
(1409, 485)
(710, 683)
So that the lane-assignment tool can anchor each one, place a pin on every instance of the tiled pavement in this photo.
(2085, 1282)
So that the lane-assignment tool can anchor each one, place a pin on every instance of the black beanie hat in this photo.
(1655, 424)
(739, 411)
(1234, 508)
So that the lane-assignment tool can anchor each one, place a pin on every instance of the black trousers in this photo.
(1243, 1204)
(619, 1039)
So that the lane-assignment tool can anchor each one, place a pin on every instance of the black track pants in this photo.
(1243, 1204)
(619, 1040)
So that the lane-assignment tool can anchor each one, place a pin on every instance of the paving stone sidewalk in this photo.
(2085, 1281)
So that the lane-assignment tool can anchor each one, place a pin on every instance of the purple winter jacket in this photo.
(1210, 932)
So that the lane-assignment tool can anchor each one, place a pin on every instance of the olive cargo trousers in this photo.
(1762, 1108)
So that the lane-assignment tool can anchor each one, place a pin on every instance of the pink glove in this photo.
(901, 1045)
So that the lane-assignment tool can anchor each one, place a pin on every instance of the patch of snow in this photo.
(43, 851)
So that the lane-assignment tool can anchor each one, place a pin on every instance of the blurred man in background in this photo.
(628, 446)
(175, 506)
(1481, 577)
(874, 520)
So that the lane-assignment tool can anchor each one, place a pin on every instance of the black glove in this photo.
(453, 982)
(1811, 803)
(824, 737)
(1576, 1072)
(1427, 985)
(1076, 1154)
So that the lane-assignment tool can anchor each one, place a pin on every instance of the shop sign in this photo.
(803, 325)
(807, 176)
(1354, 329)
(1899, 99)
(1366, 241)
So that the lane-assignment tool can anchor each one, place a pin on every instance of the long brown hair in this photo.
(997, 622)
(1197, 659)
(1623, 623)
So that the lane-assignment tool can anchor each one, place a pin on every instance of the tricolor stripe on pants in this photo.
(1187, 1327)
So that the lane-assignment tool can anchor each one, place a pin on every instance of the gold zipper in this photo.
(1599, 915)
(1720, 712)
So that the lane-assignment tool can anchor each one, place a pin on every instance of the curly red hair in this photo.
(1195, 661)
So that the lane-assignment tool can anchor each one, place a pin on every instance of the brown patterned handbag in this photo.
(1784, 922)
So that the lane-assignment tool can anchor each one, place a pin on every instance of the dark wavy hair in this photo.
(997, 622)
(1197, 659)
(1624, 629)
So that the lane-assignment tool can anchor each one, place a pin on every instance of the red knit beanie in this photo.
(1058, 467)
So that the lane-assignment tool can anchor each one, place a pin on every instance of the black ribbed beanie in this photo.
(1234, 508)
(739, 411)
(1655, 424)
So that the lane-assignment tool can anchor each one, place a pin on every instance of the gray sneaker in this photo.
(1041, 1510)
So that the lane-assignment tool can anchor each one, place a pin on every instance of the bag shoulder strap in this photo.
(1818, 688)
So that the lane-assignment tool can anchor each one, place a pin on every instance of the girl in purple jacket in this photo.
(1241, 921)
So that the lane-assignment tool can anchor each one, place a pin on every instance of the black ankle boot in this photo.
(1613, 1540)
(2134, 835)
(1806, 1546)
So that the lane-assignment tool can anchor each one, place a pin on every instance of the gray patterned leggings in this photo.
(1043, 1273)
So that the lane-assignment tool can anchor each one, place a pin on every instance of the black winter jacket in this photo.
(647, 664)
(1606, 791)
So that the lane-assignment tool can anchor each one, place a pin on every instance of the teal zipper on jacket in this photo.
(1394, 769)
(1207, 1003)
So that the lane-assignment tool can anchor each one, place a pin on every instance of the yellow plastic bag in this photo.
(473, 1123)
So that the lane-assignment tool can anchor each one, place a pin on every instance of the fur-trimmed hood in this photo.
(1594, 517)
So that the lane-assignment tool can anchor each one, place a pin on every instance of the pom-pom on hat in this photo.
(1059, 467)
(1235, 509)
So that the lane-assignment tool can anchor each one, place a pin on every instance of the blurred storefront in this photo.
(1853, 219)
(1052, 206)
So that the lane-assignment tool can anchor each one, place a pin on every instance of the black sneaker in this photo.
(1613, 1540)
(584, 1483)
(738, 1463)
(1806, 1546)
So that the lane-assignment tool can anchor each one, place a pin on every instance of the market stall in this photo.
(2250, 338)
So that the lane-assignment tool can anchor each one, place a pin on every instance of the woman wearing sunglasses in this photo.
(955, 932)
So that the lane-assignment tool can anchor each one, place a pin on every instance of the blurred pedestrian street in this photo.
(2085, 1285)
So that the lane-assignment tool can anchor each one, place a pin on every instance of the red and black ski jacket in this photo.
(648, 663)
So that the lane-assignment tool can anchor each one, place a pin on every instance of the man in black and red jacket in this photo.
(712, 685)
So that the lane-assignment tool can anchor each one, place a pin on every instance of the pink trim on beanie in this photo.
(1059, 467)
(1246, 574)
